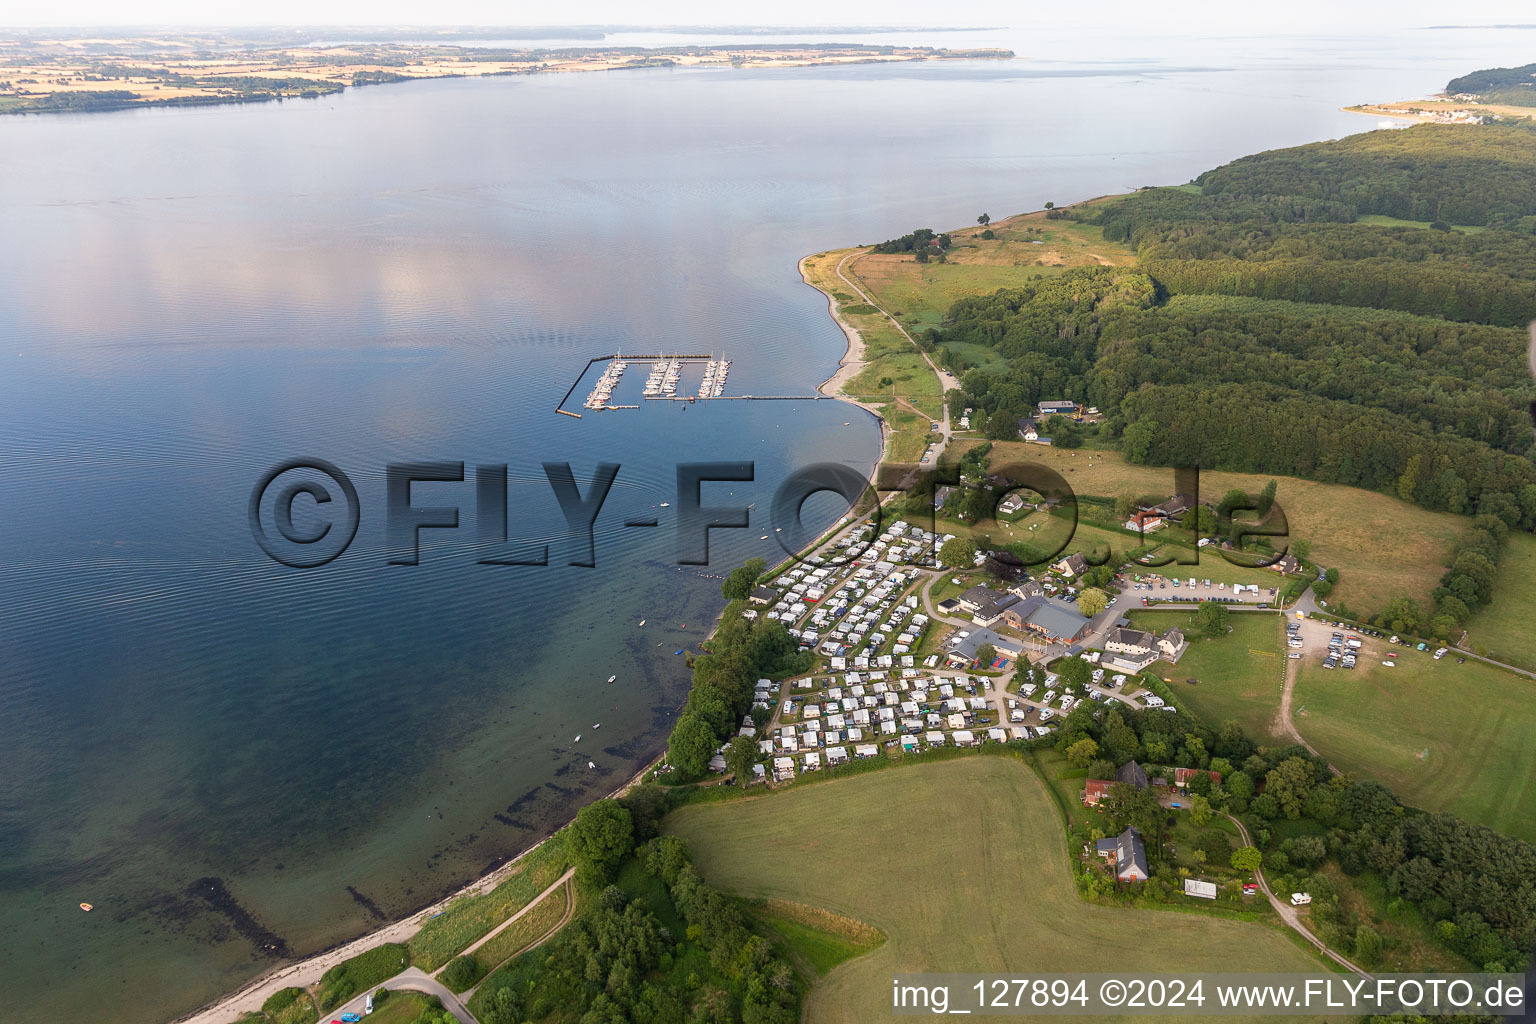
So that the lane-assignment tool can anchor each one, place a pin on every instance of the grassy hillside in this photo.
(961, 865)
(1381, 546)
(1442, 736)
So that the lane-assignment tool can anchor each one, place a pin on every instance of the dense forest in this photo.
(1513, 86)
(1478, 175)
(1265, 329)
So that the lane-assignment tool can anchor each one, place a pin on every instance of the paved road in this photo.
(412, 979)
(1288, 913)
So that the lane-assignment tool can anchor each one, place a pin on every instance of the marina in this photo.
(662, 382)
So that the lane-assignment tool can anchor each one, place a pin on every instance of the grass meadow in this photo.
(961, 864)
(1442, 736)
(1241, 674)
(1503, 629)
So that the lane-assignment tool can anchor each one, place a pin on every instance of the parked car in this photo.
(1250, 888)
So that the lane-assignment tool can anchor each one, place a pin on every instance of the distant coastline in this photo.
(73, 75)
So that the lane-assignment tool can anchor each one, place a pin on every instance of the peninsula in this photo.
(1488, 95)
(70, 74)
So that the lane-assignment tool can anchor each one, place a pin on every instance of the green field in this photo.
(1503, 629)
(962, 864)
(1442, 736)
(1235, 683)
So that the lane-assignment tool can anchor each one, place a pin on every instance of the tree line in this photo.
(740, 652)
(619, 962)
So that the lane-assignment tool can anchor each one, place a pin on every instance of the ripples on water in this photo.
(418, 272)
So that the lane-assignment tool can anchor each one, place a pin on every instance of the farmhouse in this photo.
(1126, 854)
(1028, 430)
(1072, 566)
(1011, 504)
(1135, 649)
(1144, 522)
(1287, 564)
(1174, 506)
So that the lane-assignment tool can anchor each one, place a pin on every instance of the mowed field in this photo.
(1381, 546)
(1241, 674)
(1504, 627)
(1442, 736)
(962, 865)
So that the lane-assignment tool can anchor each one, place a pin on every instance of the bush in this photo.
(461, 972)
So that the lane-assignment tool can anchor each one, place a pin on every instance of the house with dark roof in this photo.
(1028, 430)
(1132, 774)
(989, 614)
(763, 595)
(1287, 564)
(1072, 566)
(1135, 649)
(978, 597)
(1127, 854)
(1174, 506)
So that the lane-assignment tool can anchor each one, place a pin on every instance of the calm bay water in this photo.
(419, 272)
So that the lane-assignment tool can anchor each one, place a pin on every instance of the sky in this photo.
(1172, 16)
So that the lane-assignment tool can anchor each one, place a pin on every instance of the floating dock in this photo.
(662, 382)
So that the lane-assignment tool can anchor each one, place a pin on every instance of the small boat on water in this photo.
(577, 739)
(591, 765)
(612, 678)
(599, 725)
(642, 622)
(665, 504)
(87, 907)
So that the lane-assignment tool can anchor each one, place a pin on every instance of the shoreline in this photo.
(852, 361)
(301, 973)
